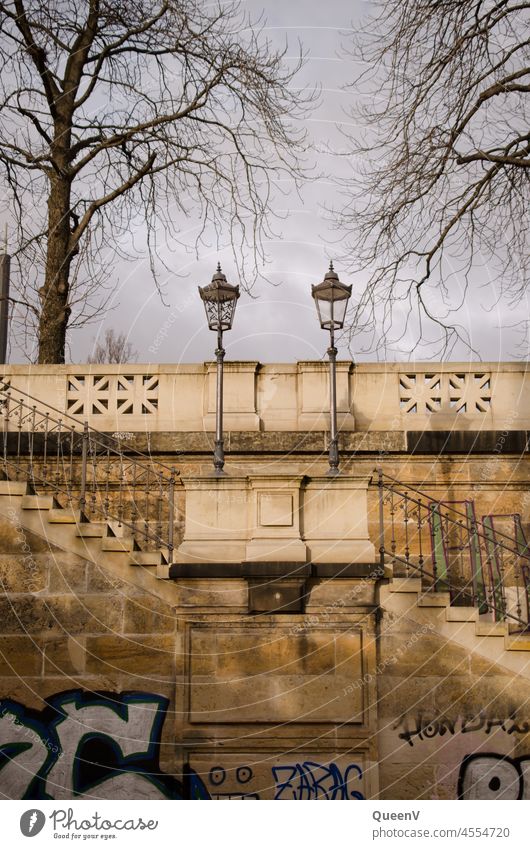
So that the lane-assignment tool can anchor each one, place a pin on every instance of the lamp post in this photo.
(219, 299)
(331, 299)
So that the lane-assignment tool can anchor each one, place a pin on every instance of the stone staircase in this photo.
(404, 599)
(110, 544)
(104, 543)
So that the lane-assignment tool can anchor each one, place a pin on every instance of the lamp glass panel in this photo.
(332, 302)
(220, 306)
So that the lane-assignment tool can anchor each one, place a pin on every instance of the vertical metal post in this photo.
(84, 456)
(5, 262)
(171, 529)
(219, 454)
(6, 414)
(333, 439)
(381, 521)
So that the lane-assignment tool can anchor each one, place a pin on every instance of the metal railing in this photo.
(480, 563)
(87, 470)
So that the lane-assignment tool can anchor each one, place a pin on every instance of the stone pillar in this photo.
(216, 520)
(276, 518)
(335, 520)
(239, 396)
(313, 393)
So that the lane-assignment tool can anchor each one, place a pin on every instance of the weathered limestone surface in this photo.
(255, 683)
(286, 397)
(375, 688)
(276, 517)
(394, 702)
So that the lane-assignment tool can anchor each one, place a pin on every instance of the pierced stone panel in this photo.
(470, 393)
(115, 394)
(424, 393)
(420, 393)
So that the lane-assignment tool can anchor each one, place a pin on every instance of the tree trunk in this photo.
(54, 294)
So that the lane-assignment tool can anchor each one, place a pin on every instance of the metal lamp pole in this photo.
(219, 299)
(331, 299)
(333, 438)
(219, 451)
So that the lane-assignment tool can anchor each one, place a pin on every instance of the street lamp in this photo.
(331, 298)
(219, 299)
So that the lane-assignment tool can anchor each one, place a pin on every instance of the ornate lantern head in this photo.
(331, 297)
(219, 299)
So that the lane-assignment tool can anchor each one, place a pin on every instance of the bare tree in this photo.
(118, 115)
(115, 348)
(442, 157)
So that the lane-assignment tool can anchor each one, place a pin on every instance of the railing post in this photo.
(84, 456)
(381, 520)
(171, 528)
(6, 412)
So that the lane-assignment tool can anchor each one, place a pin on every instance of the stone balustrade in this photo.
(285, 397)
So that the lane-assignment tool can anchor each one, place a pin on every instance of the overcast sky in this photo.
(279, 323)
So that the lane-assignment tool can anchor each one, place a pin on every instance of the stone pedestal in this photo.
(313, 390)
(216, 520)
(239, 396)
(276, 518)
(336, 521)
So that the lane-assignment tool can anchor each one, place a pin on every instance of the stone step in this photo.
(405, 585)
(461, 614)
(517, 642)
(92, 529)
(13, 488)
(117, 529)
(65, 515)
(117, 544)
(38, 502)
(146, 558)
(490, 629)
(432, 599)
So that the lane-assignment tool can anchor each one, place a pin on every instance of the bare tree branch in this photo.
(113, 349)
(116, 112)
(441, 165)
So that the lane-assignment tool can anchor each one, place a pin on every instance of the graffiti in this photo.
(493, 776)
(243, 774)
(311, 780)
(262, 778)
(426, 726)
(96, 745)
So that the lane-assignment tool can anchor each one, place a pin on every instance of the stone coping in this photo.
(308, 442)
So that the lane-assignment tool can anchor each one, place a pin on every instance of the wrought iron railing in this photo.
(85, 469)
(481, 563)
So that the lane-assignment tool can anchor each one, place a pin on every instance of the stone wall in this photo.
(453, 712)
(173, 689)
(273, 678)
(109, 690)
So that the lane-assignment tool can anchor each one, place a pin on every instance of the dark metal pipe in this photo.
(5, 264)
(333, 440)
(219, 454)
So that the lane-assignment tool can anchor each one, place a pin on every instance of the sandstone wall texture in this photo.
(127, 672)
(114, 684)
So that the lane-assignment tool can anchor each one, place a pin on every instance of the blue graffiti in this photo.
(310, 780)
(96, 745)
